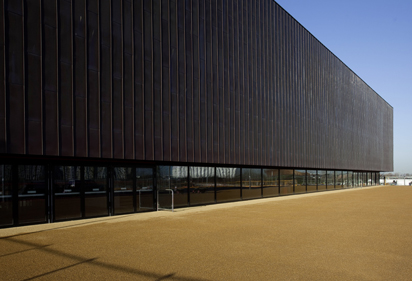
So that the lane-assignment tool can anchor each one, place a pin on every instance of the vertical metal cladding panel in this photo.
(209, 78)
(15, 99)
(80, 78)
(226, 88)
(235, 80)
(117, 80)
(189, 81)
(166, 89)
(215, 81)
(148, 81)
(257, 87)
(182, 80)
(128, 84)
(138, 68)
(202, 123)
(93, 89)
(253, 88)
(241, 80)
(220, 78)
(174, 82)
(157, 80)
(50, 79)
(65, 78)
(196, 109)
(249, 85)
(3, 108)
(33, 77)
(230, 114)
(278, 105)
(105, 23)
(243, 15)
(266, 103)
(271, 74)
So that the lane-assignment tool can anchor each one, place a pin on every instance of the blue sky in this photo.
(374, 39)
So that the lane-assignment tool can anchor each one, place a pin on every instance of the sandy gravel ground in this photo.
(358, 234)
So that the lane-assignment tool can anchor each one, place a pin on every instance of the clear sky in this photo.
(374, 39)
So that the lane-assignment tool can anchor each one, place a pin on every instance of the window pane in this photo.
(330, 179)
(300, 181)
(251, 183)
(227, 184)
(67, 188)
(321, 180)
(95, 191)
(172, 178)
(32, 194)
(123, 190)
(144, 189)
(6, 204)
(339, 179)
(202, 185)
(286, 182)
(270, 182)
(311, 180)
(350, 179)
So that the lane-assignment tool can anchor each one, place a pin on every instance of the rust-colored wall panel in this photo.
(34, 104)
(165, 84)
(16, 127)
(3, 109)
(106, 130)
(157, 80)
(33, 81)
(128, 108)
(181, 80)
(138, 79)
(222, 82)
(15, 100)
(117, 119)
(50, 119)
(80, 127)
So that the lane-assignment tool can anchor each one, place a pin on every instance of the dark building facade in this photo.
(109, 107)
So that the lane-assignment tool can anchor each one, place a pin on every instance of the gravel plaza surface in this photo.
(351, 234)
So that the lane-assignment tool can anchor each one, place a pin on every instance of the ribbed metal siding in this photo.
(227, 82)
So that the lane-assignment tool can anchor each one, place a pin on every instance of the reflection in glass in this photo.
(67, 188)
(227, 184)
(95, 191)
(123, 190)
(286, 182)
(330, 179)
(251, 183)
(270, 182)
(355, 179)
(6, 204)
(361, 179)
(202, 185)
(300, 181)
(339, 179)
(32, 191)
(321, 180)
(174, 178)
(144, 189)
(311, 180)
(349, 182)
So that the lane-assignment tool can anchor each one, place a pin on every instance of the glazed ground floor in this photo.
(50, 190)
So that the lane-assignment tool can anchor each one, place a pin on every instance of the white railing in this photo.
(173, 199)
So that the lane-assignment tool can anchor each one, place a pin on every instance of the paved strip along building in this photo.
(112, 107)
